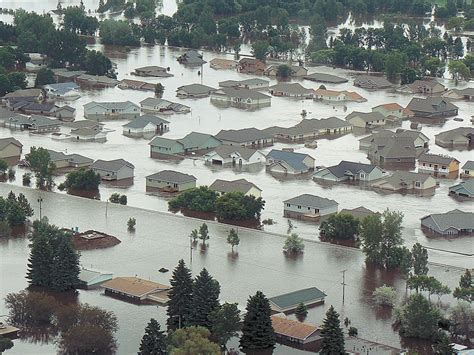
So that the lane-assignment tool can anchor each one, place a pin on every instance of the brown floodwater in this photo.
(161, 239)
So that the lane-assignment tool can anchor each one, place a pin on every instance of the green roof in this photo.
(194, 140)
(296, 297)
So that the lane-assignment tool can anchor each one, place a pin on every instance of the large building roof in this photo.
(242, 135)
(225, 186)
(296, 297)
(62, 88)
(172, 176)
(24, 93)
(308, 200)
(325, 78)
(453, 219)
(455, 133)
(133, 286)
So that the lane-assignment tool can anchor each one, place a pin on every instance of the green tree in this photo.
(259, 49)
(41, 259)
(394, 64)
(118, 33)
(257, 329)
(44, 76)
(5, 85)
(237, 206)
(65, 267)
(204, 233)
(293, 244)
(40, 162)
(331, 332)
(340, 226)
(465, 291)
(180, 297)
(154, 340)
(192, 340)
(225, 322)
(233, 238)
(418, 318)
(5, 344)
(3, 167)
(301, 311)
(196, 199)
(420, 259)
(459, 70)
(194, 235)
(82, 179)
(159, 89)
(461, 318)
(443, 346)
(284, 71)
(385, 296)
(96, 63)
(17, 80)
(205, 299)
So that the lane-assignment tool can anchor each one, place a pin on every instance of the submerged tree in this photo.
(293, 244)
(233, 238)
(205, 299)
(180, 297)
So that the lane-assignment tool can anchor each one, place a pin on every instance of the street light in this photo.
(40, 201)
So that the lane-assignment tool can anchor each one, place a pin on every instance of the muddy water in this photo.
(161, 240)
(205, 117)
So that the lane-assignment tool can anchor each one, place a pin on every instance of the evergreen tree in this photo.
(420, 260)
(443, 346)
(331, 332)
(65, 268)
(180, 296)
(301, 311)
(205, 299)
(154, 340)
(225, 323)
(418, 318)
(257, 329)
(40, 261)
(233, 238)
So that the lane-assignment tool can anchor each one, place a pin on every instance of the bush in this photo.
(123, 200)
(11, 174)
(26, 179)
(237, 206)
(385, 296)
(353, 332)
(340, 226)
(117, 198)
(200, 199)
(82, 179)
(418, 318)
(293, 244)
(132, 222)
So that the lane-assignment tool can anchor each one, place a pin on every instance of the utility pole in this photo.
(343, 284)
(40, 201)
(190, 250)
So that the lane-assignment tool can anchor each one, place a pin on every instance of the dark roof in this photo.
(225, 186)
(378, 81)
(295, 160)
(194, 139)
(192, 57)
(242, 135)
(341, 169)
(453, 219)
(430, 105)
(111, 165)
(308, 200)
(469, 165)
(196, 89)
(325, 78)
(291, 88)
(172, 176)
(467, 185)
(436, 159)
(294, 298)
(142, 121)
(226, 150)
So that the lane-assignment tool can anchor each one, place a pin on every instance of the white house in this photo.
(309, 206)
(234, 155)
(338, 96)
(111, 110)
(88, 135)
(66, 91)
(366, 119)
(285, 162)
(145, 126)
(241, 185)
(157, 105)
(241, 98)
(117, 169)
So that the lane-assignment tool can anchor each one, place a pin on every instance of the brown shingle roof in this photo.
(134, 286)
(291, 328)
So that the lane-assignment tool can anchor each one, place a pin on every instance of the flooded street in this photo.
(161, 240)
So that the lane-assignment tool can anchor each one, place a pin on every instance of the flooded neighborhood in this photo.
(296, 152)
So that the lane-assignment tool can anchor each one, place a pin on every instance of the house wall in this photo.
(159, 184)
(305, 210)
(325, 174)
(254, 192)
(373, 175)
(64, 163)
(309, 162)
(279, 169)
(10, 151)
(125, 172)
(98, 112)
(175, 149)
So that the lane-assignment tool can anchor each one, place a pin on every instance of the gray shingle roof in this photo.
(242, 135)
(295, 160)
(292, 299)
(196, 89)
(154, 101)
(225, 186)
(469, 165)
(110, 105)
(194, 139)
(62, 88)
(430, 105)
(325, 78)
(366, 116)
(455, 133)
(436, 159)
(398, 147)
(172, 176)
(380, 82)
(142, 121)
(98, 79)
(453, 219)
(85, 132)
(251, 81)
(192, 58)
(291, 88)
(405, 177)
(467, 185)
(163, 142)
(313, 201)
(111, 165)
(241, 93)
(344, 166)
(24, 93)
(83, 124)
(10, 140)
(225, 150)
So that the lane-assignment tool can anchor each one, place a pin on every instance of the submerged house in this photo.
(153, 70)
(438, 165)
(290, 163)
(10, 148)
(432, 107)
(294, 331)
(35, 123)
(464, 189)
(334, 96)
(372, 82)
(349, 171)
(241, 185)
(427, 87)
(245, 137)
(234, 155)
(111, 110)
(117, 169)
(253, 83)
(366, 119)
(194, 91)
(288, 302)
(90, 278)
(145, 126)
(137, 290)
(240, 98)
(66, 91)
(295, 90)
(251, 66)
(170, 181)
(325, 78)
(468, 169)
(191, 58)
(309, 207)
(392, 150)
(219, 64)
(136, 85)
(192, 143)
(454, 223)
(296, 71)
(393, 111)
(157, 105)
(461, 137)
(401, 181)
(466, 94)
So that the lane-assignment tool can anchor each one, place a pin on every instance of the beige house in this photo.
(406, 181)
(393, 111)
(366, 119)
(338, 96)
(10, 148)
(241, 185)
(170, 181)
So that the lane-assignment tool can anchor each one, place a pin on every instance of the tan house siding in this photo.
(10, 151)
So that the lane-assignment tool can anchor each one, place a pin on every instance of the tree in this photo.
(340, 226)
(257, 329)
(180, 297)
(5, 344)
(293, 244)
(205, 299)
(196, 199)
(159, 89)
(5, 85)
(237, 206)
(30, 309)
(40, 162)
(131, 223)
(301, 311)
(118, 33)
(40, 260)
(82, 179)
(420, 259)
(233, 238)
(65, 268)
(394, 64)
(461, 317)
(123, 199)
(96, 63)
(443, 346)
(204, 233)
(259, 49)
(154, 340)
(283, 71)
(331, 332)
(385, 296)
(459, 70)
(465, 291)
(44, 76)
(3, 167)
(192, 340)
(418, 318)
(194, 235)
(225, 322)
(17, 80)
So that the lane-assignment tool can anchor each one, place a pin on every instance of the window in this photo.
(309, 208)
(443, 167)
(287, 205)
(299, 207)
(417, 184)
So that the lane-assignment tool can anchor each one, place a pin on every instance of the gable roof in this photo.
(5, 142)
(85, 132)
(110, 105)
(455, 133)
(196, 89)
(194, 139)
(341, 169)
(154, 101)
(366, 116)
(251, 81)
(294, 160)
(242, 135)
(436, 159)
(467, 185)
(241, 93)
(292, 328)
(143, 121)
(314, 201)
(424, 83)
(469, 165)
(134, 286)
(378, 81)
(24, 93)
(88, 275)
(296, 297)
(61, 88)
(111, 165)
(392, 106)
(405, 177)
(192, 57)
(172, 176)
(82, 124)
(240, 185)
(430, 105)
(226, 150)
(453, 219)
(325, 78)
(291, 88)
(163, 142)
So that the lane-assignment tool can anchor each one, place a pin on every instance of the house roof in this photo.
(83, 124)
(424, 83)
(42, 121)
(163, 142)
(366, 116)
(378, 81)
(85, 132)
(344, 167)
(325, 78)
(24, 93)
(453, 219)
(465, 91)
(430, 105)
(194, 139)
(242, 135)
(391, 106)
(405, 177)
(469, 165)
(111, 165)
(39, 107)
(467, 185)
(68, 73)
(224, 63)
(66, 108)
(79, 159)
(192, 57)
(292, 328)
(294, 160)
(296, 297)
(358, 212)
(314, 201)
(436, 159)
(240, 185)
(251, 81)
(142, 121)
(155, 101)
(291, 88)
(455, 133)
(309, 126)
(121, 105)
(134, 286)
(62, 88)
(151, 68)
(137, 83)
(88, 275)
(4, 142)
(226, 150)
(172, 176)
(98, 79)
(196, 89)
(241, 93)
